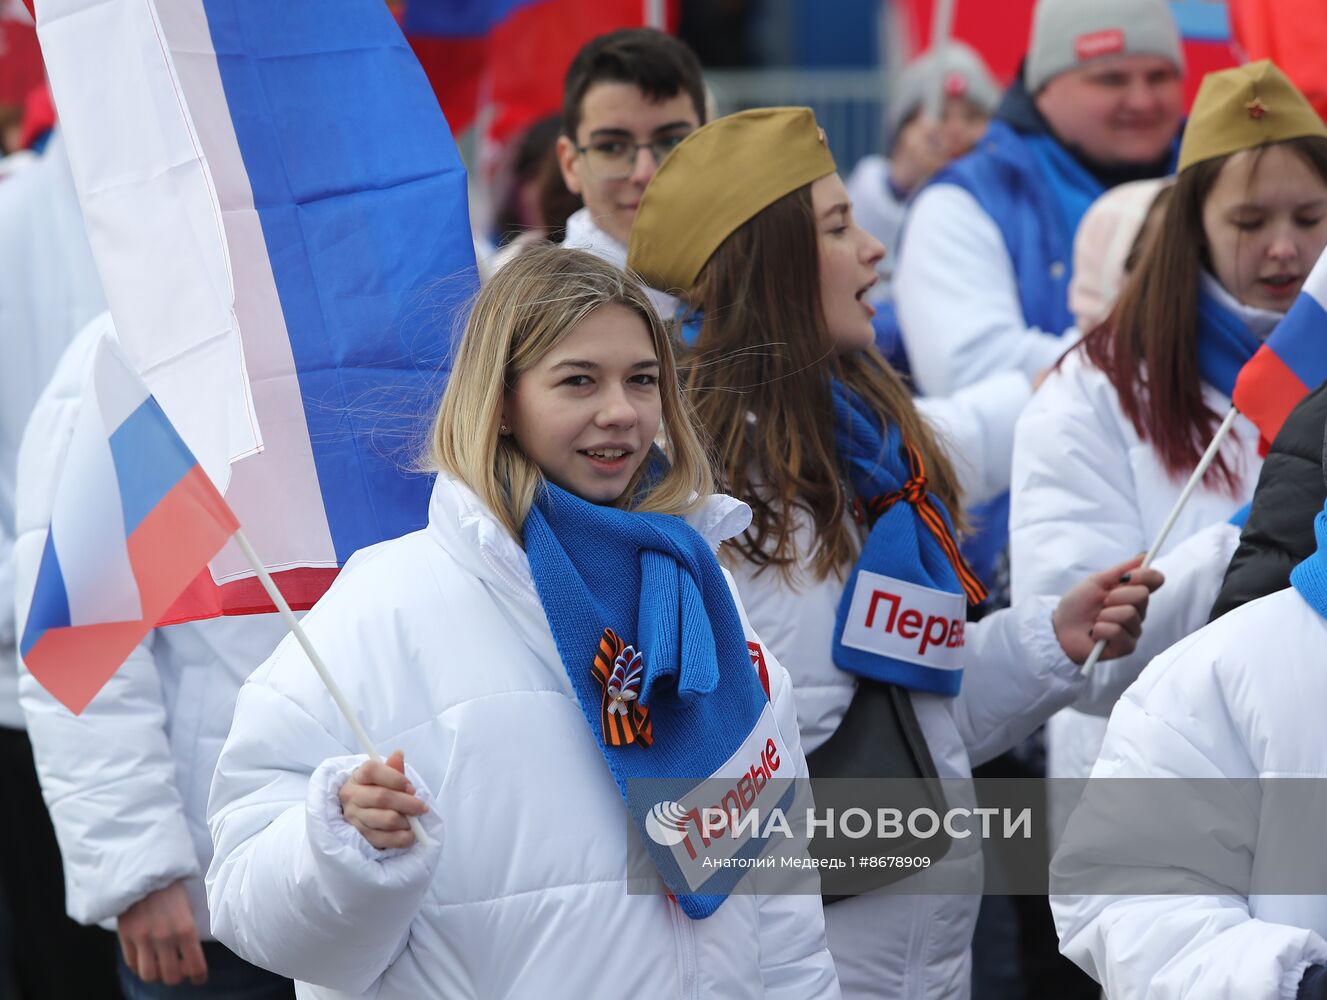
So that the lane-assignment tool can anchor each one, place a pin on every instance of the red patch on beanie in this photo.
(1096, 44)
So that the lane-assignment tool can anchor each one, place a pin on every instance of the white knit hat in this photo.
(1109, 229)
(958, 69)
(1066, 34)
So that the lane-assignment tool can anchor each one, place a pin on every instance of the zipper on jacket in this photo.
(684, 940)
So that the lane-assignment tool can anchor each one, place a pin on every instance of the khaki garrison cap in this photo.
(717, 178)
(1243, 108)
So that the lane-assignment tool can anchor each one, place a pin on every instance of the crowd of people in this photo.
(714, 394)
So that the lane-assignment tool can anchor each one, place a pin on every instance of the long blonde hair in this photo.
(522, 313)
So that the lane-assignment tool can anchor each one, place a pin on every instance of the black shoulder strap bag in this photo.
(878, 743)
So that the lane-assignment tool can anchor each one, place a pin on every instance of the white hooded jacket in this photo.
(1241, 699)
(902, 946)
(440, 642)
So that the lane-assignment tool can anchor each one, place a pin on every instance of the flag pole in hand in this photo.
(334, 689)
(1209, 456)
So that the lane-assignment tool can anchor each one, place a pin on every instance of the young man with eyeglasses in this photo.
(629, 97)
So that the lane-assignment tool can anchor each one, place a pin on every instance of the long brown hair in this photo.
(759, 374)
(1148, 345)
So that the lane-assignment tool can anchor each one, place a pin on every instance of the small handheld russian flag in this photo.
(1292, 362)
(134, 521)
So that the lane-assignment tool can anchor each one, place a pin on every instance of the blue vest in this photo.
(1003, 176)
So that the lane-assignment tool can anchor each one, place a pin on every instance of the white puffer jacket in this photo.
(126, 781)
(1086, 494)
(902, 946)
(976, 427)
(957, 297)
(1241, 699)
(440, 642)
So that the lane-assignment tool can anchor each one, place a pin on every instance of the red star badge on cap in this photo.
(1256, 108)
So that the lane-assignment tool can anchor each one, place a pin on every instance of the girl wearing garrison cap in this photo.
(1228, 897)
(850, 565)
(558, 632)
(1109, 441)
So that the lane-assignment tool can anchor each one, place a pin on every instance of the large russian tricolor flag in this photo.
(1292, 362)
(135, 518)
(279, 217)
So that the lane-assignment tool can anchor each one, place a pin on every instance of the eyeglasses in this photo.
(615, 159)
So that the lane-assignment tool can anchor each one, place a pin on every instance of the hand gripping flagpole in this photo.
(1209, 456)
(365, 744)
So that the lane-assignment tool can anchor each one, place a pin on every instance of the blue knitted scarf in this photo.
(901, 616)
(653, 643)
(1310, 576)
(1225, 343)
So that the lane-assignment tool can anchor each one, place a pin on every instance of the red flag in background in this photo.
(500, 63)
(20, 56)
(999, 31)
(1291, 33)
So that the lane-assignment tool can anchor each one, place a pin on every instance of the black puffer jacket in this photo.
(1291, 489)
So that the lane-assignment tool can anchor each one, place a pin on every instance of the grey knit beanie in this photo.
(961, 71)
(1066, 34)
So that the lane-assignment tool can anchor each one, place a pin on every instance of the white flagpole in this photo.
(365, 744)
(942, 28)
(1209, 456)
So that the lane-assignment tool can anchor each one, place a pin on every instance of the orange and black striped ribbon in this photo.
(619, 729)
(914, 492)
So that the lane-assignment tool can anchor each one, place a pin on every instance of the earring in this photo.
(503, 429)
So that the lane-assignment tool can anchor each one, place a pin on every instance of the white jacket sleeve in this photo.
(108, 776)
(1193, 570)
(957, 297)
(293, 887)
(1074, 512)
(795, 963)
(1193, 945)
(1017, 676)
(977, 424)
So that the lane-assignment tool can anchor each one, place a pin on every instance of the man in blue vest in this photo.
(983, 276)
(984, 271)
